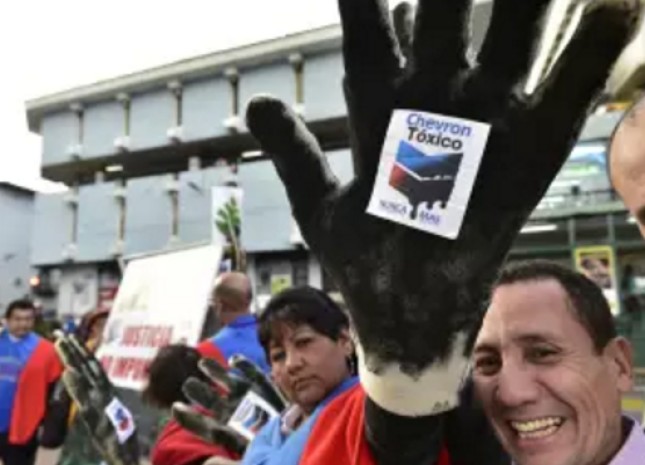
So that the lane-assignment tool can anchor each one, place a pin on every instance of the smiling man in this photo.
(550, 370)
(627, 161)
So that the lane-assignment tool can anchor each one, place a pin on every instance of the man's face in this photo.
(551, 397)
(21, 322)
(628, 165)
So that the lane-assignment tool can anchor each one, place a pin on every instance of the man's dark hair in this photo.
(20, 304)
(586, 299)
(301, 305)
(168, 371)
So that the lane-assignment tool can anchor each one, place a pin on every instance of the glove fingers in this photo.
(582, 70)
(403, 19)
(208, 428)
(513, 33)
(370, 48)
(441, 37)
(201, 394)
(233, 385)
(78, 387)
(92, 365)
(74, 358)
(116, 453)
(68, 354)
(295, 152)
(261, 384)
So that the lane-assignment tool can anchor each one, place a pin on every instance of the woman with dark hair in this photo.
(306, 337)
(167, 373)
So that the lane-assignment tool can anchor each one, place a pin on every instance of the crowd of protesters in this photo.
(547, 368)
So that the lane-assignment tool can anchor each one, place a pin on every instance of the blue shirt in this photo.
(14, 355)
(272, 447)
(241, 337)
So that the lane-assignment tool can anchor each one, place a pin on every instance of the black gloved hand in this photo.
(94, 394)
(415, 297)
(210, 420)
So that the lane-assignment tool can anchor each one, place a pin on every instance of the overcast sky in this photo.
(48, 46)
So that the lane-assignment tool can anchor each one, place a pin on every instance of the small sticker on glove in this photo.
(121, 419)
(251, 415)
(427, 171)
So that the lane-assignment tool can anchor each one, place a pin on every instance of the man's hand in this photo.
(414, 298)
(110, 425)
(211, 420)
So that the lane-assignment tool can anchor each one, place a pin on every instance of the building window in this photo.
(127, 118)
(300, 272)
(297, 63)
(124, 100)
(174, 202)
(77, 109)
(121, 204)
(81, 128)
(234, 81)
(176, 90)
(73, 205)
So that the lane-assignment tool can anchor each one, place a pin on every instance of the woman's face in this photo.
(307, 365)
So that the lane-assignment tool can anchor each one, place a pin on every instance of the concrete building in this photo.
(16, 210)
(141, 152)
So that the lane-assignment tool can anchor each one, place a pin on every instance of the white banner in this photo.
(162, 300)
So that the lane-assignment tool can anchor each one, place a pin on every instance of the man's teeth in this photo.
(537, 428)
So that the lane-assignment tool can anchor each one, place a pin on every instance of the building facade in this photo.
(16, 208)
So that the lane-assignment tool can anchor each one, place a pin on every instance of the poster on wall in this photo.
(226, 222)
(598, 263)
(280, 282)
(162, 299)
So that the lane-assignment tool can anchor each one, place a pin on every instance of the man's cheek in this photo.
(484, 392)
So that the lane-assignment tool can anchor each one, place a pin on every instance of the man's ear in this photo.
(619, 353)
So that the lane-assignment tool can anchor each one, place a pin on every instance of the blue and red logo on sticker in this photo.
(424, 178)
(122, 419)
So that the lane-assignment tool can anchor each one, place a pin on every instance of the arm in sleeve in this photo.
(270, 447)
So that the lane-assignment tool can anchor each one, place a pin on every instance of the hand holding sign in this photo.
(232, 419)
(109, 422)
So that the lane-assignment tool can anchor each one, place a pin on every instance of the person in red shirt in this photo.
(172, 366)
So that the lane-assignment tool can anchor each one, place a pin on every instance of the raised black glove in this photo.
(111, 428)
(414, 297)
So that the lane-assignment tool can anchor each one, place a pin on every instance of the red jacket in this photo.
(209, 350)
(338, 437)
(177, 446)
